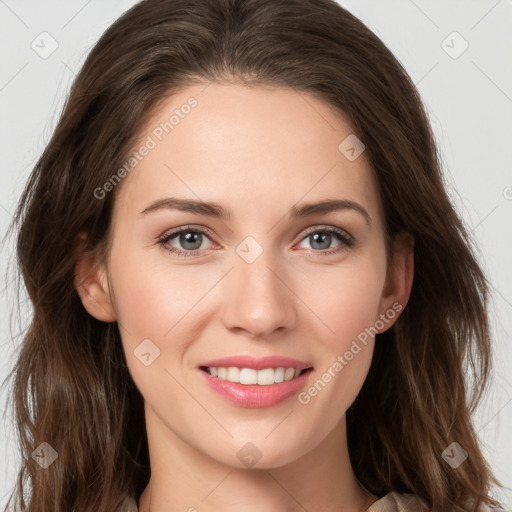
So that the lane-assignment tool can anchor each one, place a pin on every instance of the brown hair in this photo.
(72, 388)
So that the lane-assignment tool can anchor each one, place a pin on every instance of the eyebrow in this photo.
(217, 211)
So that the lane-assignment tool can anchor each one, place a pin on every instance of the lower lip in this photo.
(254, 395)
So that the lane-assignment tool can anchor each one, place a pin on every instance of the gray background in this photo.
(468, 95)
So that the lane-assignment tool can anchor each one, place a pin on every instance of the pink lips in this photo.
(256, 396)
(258, 363)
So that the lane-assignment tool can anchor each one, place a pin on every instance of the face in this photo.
(270, 278)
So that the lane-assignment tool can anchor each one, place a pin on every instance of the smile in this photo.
(251, 376)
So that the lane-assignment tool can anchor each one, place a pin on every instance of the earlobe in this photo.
(397, 289)
(91, 283)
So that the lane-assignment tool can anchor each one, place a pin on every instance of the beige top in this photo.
(397, 502)
(391, 502)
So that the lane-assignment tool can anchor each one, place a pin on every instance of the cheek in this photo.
(161, 302)
(348, 306)
(153, 305)
(151, 297)
(346, 300)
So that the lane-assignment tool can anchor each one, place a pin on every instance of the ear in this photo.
(91, 283)
(399, 279)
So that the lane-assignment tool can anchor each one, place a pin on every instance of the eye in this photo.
(321, 239)
(190, 239)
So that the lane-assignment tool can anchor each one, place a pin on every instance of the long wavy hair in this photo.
(71, 386)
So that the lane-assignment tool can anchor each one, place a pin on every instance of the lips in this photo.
(257, 363)
(256, 395)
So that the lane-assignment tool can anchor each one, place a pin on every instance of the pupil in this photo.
(192, 238)
(324, 236)
(188, 238)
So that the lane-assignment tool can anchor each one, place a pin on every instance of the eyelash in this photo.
(347, 241)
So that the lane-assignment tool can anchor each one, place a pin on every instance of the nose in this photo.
(258, 300)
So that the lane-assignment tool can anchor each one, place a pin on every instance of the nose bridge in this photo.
(258, 299)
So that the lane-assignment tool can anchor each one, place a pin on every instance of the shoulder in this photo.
(398, 502)
(405, 502)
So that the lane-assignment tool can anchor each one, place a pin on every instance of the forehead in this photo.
(243, 146)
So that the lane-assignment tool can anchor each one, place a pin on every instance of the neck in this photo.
(185, 479)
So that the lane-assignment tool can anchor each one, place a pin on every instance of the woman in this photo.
(254, 368)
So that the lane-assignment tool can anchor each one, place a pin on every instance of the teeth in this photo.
(264, 377)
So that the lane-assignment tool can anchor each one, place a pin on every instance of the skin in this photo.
(257, 151)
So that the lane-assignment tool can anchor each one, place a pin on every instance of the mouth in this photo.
(252, 376)
(245, 380)
(256, 388)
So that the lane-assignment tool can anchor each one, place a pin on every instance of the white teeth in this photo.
(264, 377)
(246, 376)
(233, 374)
(279, 375)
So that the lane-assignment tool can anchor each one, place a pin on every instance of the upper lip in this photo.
(257, 363)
